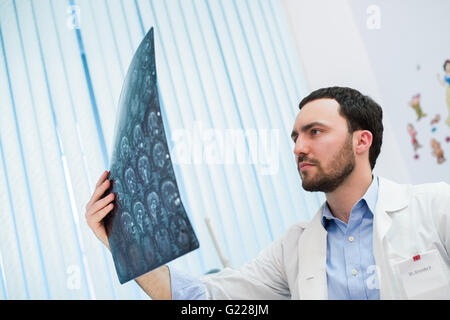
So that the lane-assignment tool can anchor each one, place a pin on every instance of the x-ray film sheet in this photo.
(149, 225)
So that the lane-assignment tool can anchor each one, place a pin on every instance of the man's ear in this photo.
(362, 140)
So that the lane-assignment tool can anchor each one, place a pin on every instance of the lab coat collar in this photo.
(312, 252)
(393, 198)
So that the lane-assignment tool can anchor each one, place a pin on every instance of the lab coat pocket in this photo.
(423, 276)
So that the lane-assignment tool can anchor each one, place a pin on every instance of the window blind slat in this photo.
(222, 66)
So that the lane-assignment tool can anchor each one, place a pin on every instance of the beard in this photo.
(343, 164)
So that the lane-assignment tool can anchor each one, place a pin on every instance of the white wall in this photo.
(407, 52)
(333, 52)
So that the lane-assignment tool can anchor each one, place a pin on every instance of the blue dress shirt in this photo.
(185, 286)
(351, 269)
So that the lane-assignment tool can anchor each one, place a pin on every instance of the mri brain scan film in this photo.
(149, 225)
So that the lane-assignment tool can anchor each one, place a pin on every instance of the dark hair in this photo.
(445, 63)
(360, 111)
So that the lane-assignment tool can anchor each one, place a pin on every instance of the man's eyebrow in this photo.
(307, 127)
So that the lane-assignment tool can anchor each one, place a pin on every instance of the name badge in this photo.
(424, 276)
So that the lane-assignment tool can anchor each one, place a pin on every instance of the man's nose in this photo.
(300, 147)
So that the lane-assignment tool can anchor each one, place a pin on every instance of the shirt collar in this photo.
(370, 198)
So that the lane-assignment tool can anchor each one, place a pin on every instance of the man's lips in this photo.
(305, 165)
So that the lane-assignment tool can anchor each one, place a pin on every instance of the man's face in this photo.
(323, 146)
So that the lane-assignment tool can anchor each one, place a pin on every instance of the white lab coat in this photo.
(408, 220)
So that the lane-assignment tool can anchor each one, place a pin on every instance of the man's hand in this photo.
(155, 283)
(97, 209)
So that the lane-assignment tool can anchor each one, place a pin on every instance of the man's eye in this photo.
(315, 131)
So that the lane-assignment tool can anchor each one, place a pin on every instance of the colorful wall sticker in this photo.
(437, 151)
(435, 121)
(415, 104)
(445, 81)
(416, 145)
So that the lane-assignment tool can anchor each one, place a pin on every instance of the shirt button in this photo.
(354, 272)
(351, 239)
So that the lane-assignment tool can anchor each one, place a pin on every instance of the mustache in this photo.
(306, 159)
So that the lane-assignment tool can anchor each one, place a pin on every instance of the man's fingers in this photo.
(94, 195)
(100, 204)
(99, 191)
(98, 216)
(102, 178)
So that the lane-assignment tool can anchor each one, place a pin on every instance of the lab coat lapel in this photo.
(392, 197)
(312, 252)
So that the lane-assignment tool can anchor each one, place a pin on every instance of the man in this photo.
(371, 239)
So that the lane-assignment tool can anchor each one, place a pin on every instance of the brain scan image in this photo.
(144, 169)
(154, 206)
(135, 104)
(139, 213)
(163, 242)
(149, 249)
(149, 225)
(145, 62)
(159, 155)
(180, 231)
(118, 191)
(125, 148)
(138, 137)
(153, 124)
(134, 77)
(130, 179)
(147, 44)
(122, 264)
(129, 227)
(148, 90)
(170, 196)
(135, 257)
(117, 186)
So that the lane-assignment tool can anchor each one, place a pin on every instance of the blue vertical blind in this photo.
(223, 67)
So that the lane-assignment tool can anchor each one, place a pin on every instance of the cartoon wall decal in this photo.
(445, 81)
(437, 151)
(415, 104)
(436, 119)
(438, 132)
(416, 145)
(434, 122)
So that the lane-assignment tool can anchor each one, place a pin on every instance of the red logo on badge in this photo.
(415, 258)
